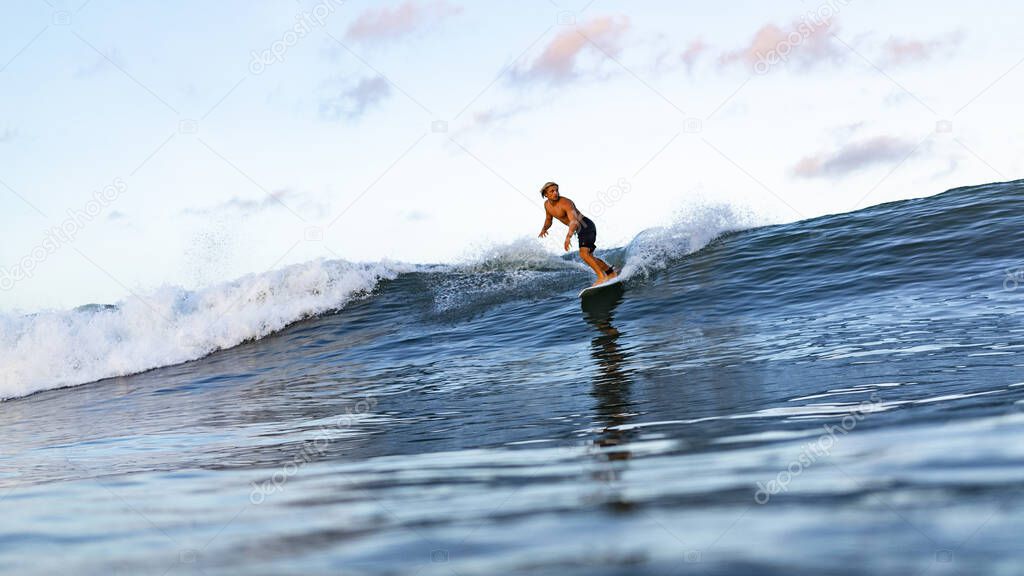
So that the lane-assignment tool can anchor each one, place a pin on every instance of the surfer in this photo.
(560, 207)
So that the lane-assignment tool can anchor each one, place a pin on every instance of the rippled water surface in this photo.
(840, 395)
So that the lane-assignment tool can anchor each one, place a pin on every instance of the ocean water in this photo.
(841, 395)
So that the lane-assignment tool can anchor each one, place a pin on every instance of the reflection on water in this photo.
(485, 452)
(611, 388)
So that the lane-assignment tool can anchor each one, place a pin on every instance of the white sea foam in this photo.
(524, 253)
(498, 272)
(171, 325)
(694, 226)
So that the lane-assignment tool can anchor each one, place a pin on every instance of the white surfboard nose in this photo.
(592, 289)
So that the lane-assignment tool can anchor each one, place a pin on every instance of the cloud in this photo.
(356, 100)
(692, 53)
(116, 215)
(854, 156)
(498, 115)
(383, 24)
(807, 42)
(899, 51)
(952, 165)
(249, 206)
(848, 130)
(8, 134)
(559, 60)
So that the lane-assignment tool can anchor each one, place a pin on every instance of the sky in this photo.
(151, 143)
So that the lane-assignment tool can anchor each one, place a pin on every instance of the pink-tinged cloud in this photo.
(805, 42)
(855, 156)
(692, 53)
(900, 51)
(382, 24)
(560, 60)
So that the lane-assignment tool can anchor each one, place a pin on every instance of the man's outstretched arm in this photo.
(574, 224)
(544, 230)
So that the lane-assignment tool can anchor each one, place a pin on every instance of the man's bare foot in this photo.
(602, 278)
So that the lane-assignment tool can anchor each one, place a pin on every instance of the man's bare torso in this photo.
(562, 210)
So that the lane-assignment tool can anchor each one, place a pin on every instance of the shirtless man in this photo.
(562, 208)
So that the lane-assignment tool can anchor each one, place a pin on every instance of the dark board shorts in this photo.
(587, 234)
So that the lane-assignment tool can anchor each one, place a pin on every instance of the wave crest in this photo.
(171, 325)
(693, 228)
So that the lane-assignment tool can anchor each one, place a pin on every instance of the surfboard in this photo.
(600, 287)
